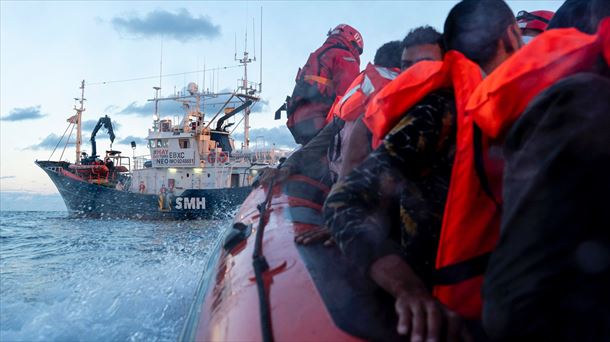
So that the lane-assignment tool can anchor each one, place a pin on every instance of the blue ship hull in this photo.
(93, 200)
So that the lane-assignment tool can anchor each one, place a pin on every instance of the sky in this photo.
(47, 48)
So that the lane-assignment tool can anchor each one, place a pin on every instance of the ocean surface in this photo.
(74, 279)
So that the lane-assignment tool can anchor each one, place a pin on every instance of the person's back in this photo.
(549, 276)
(326, 74)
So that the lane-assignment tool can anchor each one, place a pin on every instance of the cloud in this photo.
(48, 143)
(181, 25)
(20, 114)
(111, 108)
(128, 139)
(148, 108)
(210, 106)
(90, 124)
(280, 136)
(51, 140)
(7, 177)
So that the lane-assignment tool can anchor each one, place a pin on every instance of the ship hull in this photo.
(93, 200)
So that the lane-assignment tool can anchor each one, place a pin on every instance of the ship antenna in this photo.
(156, 115)
(161, 65)
(79, 115)
(253, 40)
(260, 84)
(157, 90)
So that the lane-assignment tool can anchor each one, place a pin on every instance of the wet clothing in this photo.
(549, 278)
(311, 160)
(355, 148)
(351, 107)
(311, 119)
(466, 237)
(327, 74)
(412, 167)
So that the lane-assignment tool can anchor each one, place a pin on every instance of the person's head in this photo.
(584, 15)
(533, 23)
(388, 55)
(349, 34)
(420, 44)
(485, 31)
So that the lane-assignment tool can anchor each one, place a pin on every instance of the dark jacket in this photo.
(549, 278)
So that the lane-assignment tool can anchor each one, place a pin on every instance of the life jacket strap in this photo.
(462, 271)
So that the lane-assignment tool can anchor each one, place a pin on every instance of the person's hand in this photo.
(314, 235)
(420, 315)
(278, 175)
(423, 318)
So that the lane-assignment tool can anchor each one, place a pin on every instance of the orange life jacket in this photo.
(314, 81)
(472, 214)
(390, 104)
(553, 55)
(327, 73)
(351, 106)
(370, 81)
(459, 248)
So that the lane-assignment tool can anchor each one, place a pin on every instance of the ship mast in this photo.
(79, 114)
(156, 114)
(245, 87)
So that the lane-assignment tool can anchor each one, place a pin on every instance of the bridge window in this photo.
(184, 143)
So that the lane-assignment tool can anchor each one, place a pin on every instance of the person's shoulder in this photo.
(437, 101)
(575, 92)
(341, 52)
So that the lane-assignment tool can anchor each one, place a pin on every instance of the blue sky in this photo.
(47, 48)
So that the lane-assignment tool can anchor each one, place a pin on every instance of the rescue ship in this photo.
(193, 170)
(260, 285)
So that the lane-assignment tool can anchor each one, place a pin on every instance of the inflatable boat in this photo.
(260, 285)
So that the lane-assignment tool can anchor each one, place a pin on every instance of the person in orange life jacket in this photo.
(420, 44)
(352, 144)
(549, 275)
(414, 165)
(309, 156)
(533, 23)
(349, 107)
(327, 143)
(327, 74)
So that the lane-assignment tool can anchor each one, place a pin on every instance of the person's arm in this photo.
(356, 149)
(308, 154)
(355, 210)
(354, 213)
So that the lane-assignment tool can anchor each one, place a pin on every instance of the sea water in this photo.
(71, 279)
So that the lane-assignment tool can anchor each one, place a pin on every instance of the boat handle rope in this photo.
(259, 262)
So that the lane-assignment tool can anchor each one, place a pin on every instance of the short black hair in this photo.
(421, 36)
(474, 27)
(388, 55)
(584, 15)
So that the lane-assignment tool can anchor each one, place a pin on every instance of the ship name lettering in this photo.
(190, 203)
